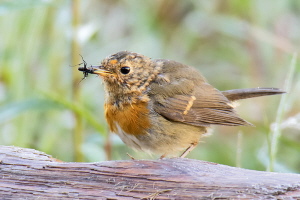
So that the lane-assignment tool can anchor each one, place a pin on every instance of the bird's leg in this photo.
(130, 156)
(162, 156)
(188, 150)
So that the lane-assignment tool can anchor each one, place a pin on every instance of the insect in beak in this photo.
(99, 70)
(84, 69)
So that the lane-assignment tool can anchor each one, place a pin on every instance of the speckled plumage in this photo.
(162, 106)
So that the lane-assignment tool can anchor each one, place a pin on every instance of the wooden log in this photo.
(30, 174)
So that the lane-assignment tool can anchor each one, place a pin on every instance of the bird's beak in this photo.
(100, 70)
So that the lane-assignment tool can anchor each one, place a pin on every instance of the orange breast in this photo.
(132, 118)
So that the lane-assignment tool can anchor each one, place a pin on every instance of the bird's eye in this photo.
(125, 70)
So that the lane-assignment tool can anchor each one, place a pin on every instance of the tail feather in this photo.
(238, 94)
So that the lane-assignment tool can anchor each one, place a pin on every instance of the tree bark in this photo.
(30, 174)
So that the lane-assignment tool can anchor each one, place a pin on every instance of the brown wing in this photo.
(203, 107)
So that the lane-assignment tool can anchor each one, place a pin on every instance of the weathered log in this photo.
(30, 174)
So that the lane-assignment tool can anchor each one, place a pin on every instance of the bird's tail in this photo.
(237, 94)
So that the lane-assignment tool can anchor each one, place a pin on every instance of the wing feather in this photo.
(206, 109)
(180, 93)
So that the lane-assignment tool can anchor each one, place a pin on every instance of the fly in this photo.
(85, 70)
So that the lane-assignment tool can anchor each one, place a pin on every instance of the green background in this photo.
(234, 43)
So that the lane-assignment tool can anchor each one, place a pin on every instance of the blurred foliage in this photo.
(235, 44)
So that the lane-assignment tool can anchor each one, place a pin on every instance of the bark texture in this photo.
(30, 174)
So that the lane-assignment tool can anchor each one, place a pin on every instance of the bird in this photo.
(163, 107)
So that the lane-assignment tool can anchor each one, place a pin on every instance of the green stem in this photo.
(75, 51)
(275, 135)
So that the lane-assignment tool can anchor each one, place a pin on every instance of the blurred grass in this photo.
(75, 50)
(276, 132)
(235, 44)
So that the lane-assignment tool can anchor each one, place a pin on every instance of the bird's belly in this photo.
(143, 129)
(164, 138)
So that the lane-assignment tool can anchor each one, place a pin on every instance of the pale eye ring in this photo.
(125, 70)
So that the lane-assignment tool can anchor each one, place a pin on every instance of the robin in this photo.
(162, 106)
